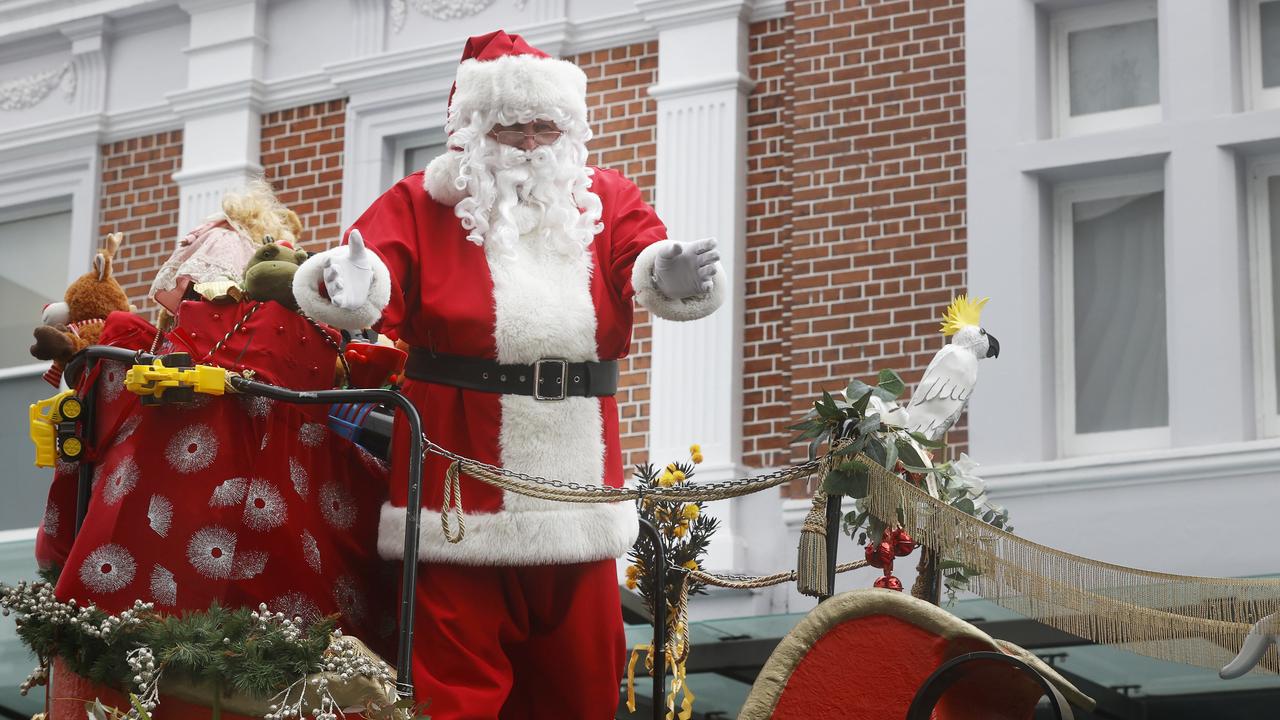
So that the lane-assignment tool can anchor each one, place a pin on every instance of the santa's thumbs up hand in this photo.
(685, 269)
(348, 275)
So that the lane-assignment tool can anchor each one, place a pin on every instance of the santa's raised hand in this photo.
(348, 273)
(356, 285)
(685, 269)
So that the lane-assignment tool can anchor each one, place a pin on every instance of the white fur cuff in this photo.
(649, 296)
(577, 533)
(306, 290)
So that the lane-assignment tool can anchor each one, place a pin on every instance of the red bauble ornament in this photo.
(880, 555)
(903, 545)
(889, 582)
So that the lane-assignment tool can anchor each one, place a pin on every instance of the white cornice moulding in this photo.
(43, 137)
(299, 90)
(667, 14)
(216, 172)
(253, 39)
(141, 121)
(768, 10)
(1195, 464)
(217, 98)
(741, 82)
(17, 20)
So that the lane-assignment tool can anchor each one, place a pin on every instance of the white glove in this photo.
(348, 275)
(685, 269)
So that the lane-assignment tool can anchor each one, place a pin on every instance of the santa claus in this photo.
(511, 267)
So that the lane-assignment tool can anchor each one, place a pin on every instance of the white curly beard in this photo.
(514, 194)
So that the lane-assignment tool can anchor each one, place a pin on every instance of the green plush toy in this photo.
(269, 274)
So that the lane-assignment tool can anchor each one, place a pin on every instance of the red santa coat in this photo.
(453, 296)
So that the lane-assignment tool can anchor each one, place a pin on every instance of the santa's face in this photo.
(528, 183)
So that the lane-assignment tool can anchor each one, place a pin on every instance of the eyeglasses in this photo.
(516, 138)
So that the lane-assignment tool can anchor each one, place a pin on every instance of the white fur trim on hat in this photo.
(571, 533)
(306, 290)
(649, 296)
(440, 177)
(520, 83)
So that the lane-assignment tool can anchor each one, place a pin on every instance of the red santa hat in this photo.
(501, 71)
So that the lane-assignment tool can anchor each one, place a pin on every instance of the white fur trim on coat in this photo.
(306, 290)
(569, 533)
(519, 83)
(440, 178)
(649, 296)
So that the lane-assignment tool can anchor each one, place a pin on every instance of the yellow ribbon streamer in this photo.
(679, 683)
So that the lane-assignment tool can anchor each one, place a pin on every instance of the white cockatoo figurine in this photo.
(948, 382)
(1263, 633)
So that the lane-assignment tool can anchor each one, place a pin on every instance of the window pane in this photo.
(1122, 370)
(416, 158)
(34, 272)
(1113, 67)
(1273, 192)
(1269, 14)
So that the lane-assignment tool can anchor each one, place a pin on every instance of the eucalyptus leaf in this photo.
(907, 453)
(964, 505)
(848, 478)
(949, 564)
(890, 453)
(891, 382)
(927, 443)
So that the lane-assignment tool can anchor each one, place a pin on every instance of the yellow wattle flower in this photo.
(679, 530)
(697, 458)
(690, 512)
(667, 480)
(631, 583)
(695, 449)
(633, 570)
(679, 475)
(691, 565)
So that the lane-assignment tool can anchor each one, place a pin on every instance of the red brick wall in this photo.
(624, 122)
(302, 151)
(140, 199)
(877, 238)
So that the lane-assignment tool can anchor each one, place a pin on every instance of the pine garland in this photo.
(255, 653)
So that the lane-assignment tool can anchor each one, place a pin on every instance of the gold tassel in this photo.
(811, 566)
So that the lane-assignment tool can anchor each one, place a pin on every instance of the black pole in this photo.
(835, 515)
(84, 479)
(659, 618)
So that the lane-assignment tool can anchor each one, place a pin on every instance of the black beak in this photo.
(993, 346)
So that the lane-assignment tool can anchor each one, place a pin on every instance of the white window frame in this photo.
(1259, 170)
(1066, 195)
(404, 143)
(1256, 97)
(1064, 22)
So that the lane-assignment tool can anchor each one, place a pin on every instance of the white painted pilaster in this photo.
(370, 27)
(701, 95)
(222, 105)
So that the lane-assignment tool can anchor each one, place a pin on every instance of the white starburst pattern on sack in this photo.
(212, 551)
(337, 506)
(50, 522)
(229, 493)
(121, 481)
(347, 597)
(248, 564)
(295, 605)
(311, 551)
(266, 438)
(164, 588)
(256, 406)
(127, 429)
(264, 508)
(160, 515)
(311, 434)
(111, 380)
(371, 462)
(62, 467)
(301, 480)
(107, 569)
(192, 449)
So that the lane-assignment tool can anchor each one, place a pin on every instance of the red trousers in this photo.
(518, 642)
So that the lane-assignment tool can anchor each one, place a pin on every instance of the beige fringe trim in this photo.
(1194, 620)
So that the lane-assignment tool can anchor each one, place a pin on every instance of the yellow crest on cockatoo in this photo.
(962, 312)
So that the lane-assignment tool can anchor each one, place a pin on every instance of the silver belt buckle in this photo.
(539, 374)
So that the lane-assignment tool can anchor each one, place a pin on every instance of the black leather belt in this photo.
(546, 379)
